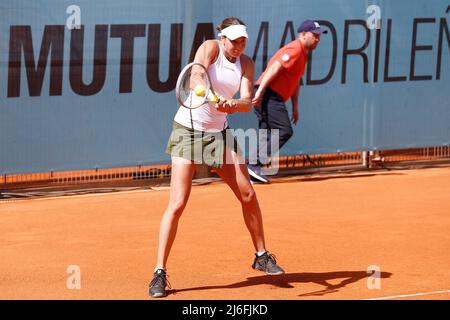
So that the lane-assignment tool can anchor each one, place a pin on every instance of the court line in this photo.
(71, 196)
(411, 295)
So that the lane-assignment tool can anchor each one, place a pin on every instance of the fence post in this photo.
(365, 158)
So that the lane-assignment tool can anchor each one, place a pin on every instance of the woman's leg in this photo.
(234, 173)
(180, 188)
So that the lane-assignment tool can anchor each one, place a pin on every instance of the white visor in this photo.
(234, 31)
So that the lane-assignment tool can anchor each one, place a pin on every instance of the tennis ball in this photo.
(200, 90)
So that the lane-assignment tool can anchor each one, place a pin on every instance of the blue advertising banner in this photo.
(91, 84)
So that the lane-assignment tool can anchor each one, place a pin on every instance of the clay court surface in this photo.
(325, 229)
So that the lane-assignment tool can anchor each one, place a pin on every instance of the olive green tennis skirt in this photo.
(198, 146)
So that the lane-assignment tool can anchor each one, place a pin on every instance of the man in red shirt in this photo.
(279, 82)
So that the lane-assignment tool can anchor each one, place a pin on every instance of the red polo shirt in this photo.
(293, 57)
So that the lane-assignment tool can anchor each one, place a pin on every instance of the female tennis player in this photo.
(230, 71)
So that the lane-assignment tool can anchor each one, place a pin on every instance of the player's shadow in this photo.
(331, 281)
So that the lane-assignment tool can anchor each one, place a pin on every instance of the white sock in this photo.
(157, 268)
(260, 253)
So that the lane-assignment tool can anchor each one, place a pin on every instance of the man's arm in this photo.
(294, 100)
(270, 74)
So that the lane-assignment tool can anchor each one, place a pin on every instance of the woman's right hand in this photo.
(226, 105)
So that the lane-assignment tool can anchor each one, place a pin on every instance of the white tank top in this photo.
(226, 80)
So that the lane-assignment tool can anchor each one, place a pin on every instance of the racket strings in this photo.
(190, 79)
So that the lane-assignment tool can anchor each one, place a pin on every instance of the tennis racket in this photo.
(194, 87)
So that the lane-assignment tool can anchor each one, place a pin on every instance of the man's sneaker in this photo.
(267, 264)
(158, 284)
(255, 174)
